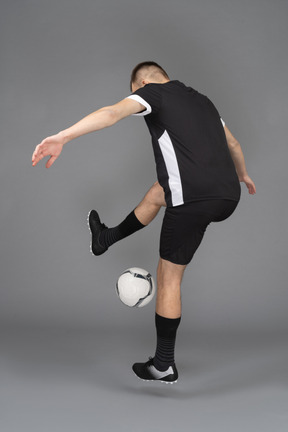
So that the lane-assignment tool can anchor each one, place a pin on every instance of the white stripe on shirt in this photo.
(172, 167)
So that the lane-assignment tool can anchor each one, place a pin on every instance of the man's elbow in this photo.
(233, 143)
(231, 140)
(111, 115)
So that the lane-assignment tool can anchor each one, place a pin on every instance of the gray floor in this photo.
(69, 379)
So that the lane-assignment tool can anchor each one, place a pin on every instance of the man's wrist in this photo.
(242, 176)
(65, 136)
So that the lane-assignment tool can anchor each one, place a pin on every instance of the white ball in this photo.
(135, 287)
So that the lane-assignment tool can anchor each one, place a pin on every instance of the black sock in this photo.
(126, 228)
(166, 336)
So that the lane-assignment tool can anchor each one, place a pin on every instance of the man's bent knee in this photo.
(156, 195)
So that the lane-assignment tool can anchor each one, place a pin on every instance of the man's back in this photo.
(192, 157)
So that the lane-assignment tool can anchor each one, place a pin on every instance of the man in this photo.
(199, 166)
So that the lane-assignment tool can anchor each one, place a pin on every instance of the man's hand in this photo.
(249, 183)
(50, 146)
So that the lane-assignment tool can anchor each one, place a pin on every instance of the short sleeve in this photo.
(223, 123)
(149, 96)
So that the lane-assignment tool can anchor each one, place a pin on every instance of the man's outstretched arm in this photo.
(100, 119)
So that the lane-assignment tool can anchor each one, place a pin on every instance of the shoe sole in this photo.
(90, 233)
(155, 380)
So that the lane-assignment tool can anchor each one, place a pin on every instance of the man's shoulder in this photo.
(179, 87)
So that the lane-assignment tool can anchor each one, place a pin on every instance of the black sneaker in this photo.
(148, 372)
(96, 227)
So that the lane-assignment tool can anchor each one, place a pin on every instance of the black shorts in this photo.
(184, 226)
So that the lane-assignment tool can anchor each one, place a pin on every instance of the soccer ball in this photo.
(135, 287)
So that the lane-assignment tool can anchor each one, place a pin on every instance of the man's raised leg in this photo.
(142, 215)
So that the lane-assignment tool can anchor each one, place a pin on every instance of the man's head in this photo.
(145, 73)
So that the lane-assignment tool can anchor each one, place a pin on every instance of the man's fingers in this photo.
(39, 153)
(34, 155)
(37, 157)
(251, 188)
(50, 161)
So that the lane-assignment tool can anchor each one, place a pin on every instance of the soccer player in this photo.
(199, 167)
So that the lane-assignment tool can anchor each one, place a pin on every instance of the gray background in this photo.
(67, 341)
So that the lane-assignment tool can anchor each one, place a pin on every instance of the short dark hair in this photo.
(143, 65)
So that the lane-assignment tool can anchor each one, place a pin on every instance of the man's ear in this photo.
(144, 82)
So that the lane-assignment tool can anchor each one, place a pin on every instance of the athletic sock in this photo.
(124, 229)
(166, 329)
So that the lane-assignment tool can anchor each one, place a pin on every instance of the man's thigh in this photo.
(184, 226)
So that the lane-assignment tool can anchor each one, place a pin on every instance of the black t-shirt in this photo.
(193, 161)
